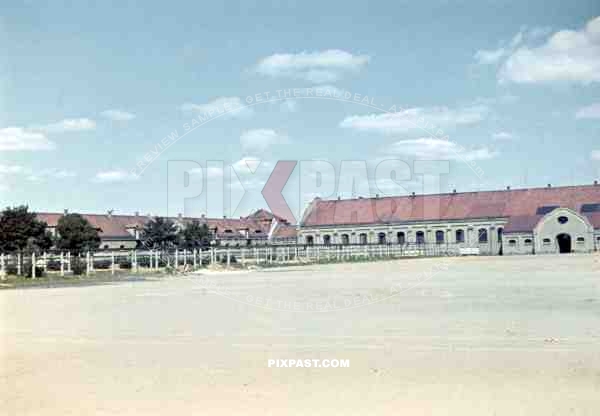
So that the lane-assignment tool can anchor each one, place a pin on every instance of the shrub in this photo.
(78, 266)
(102, 264)
(125, 264)
(39, 271)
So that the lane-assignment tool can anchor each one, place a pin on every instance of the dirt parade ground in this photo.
(462, 336)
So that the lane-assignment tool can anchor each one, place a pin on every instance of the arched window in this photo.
(512, 243)
(345, 239)
(401, 237)
(460, 236)
(528, 241)
(500, 234)
(483, 235)
(310, 240)
(547, 241)
(580, 240)
(327, 239)
(439, 237)
(381, 238)
(363, 238)
(420, 237)
(563, 220)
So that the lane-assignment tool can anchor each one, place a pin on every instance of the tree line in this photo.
(21, 231)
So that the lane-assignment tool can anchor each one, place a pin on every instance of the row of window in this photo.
(545, 241)
(440, 237)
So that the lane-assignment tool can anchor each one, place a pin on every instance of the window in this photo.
(483, 235)
(547, 241)
(345, 239)
(528, 241)
(590, 207)
(228, 231)
(420, 237)
(545, 209)
(257, 231)
(327, 239)
(512, 243)
(121, 246)
(500, 235)
(363, 238)
(439, 237)
(460, 236)
(310, 240)
(562, 220)
(580, 240)
(402, 238)
(381, 238)
(105, 246)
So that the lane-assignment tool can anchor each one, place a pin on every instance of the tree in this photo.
(159, 233)
(21, 230)
(76, 234)
(195, 235)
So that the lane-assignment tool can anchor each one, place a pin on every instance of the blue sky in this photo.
(87, 90)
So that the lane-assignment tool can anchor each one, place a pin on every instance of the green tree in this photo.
(21, 230)
(75, 233)
(195, 235)
(159, 233)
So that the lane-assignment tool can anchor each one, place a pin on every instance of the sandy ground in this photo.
(479, 336)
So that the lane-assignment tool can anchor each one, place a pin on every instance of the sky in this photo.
(102, 106)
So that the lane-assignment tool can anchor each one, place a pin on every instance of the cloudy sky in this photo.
(507, 92)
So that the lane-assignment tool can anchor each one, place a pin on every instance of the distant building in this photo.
(125, 231)
(521, 221)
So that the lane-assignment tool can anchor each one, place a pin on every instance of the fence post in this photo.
(228, 257)
(112, 262)
(135, 262)
(195, 259)
(68, 262)
(87, 263)
(62, 264)
(156, 257)
(176, 258)
(184, 257)
(44, 262)
(2, 268)
(33, 265)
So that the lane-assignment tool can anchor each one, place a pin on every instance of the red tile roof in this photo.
(285, 231)
(117, 225)
(453, 206)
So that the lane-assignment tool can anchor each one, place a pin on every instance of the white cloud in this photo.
(568, 55)
(438, 149)
(259, 140)
(17, 138)
(595, 155)
(503, 135)
(117, 175)
(489, 57)
(211, 171)
(35, 176)
(591, 111)
(117, 115)
(230, 107)
(319, 67)
(69, 125)
(428, 119)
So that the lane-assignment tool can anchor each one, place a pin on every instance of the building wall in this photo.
(118, 244)
(429, 229)
(517, 243)
(577, 227)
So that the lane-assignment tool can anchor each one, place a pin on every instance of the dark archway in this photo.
(564, 243)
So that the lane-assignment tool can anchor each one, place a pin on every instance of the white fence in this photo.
(138, 261)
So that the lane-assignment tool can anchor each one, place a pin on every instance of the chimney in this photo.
(376, 195)
(203, 216)
(66, 212)
(339, 198)
(549, 185)
(180, 215)
(137, 213)
(224, 217)
(454, 191)
(508, 188)
(595, 182)
(109, 213)
(413, 194)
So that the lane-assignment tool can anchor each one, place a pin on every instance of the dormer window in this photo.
(228, 231)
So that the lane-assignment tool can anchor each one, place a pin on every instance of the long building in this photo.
(125, 231)
(519, 221)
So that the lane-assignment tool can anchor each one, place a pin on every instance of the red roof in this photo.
(453, 206)
(285, 231)
(117, 225)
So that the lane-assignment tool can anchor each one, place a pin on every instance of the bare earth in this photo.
(486, 336)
